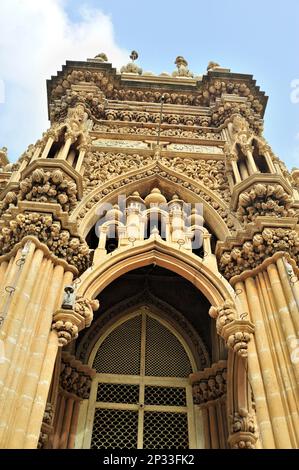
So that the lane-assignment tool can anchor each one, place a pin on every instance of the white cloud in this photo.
(36, 38)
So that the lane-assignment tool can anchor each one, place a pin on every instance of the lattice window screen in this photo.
(118, 393)
(114, 429)
(164, 354)
(169, 396)
(120, 351)
(165, 430)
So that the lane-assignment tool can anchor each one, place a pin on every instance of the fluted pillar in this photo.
(268, 294)
(30, 347)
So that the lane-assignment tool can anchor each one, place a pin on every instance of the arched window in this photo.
(242, 163)
(141, 396)
(260, 160)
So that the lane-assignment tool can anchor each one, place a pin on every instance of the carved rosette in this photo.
(264, 200)
(235, 332)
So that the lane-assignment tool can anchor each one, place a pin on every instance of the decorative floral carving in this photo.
(252, 253)
(224, 112)
(93, 101)
(235, 332)
(265, 200)
(49, 231)
(114, 128)
(48, 414)
(49, 186)
(223, 212)
(42, 441)
(85, 308)
(151, 117)
(210, 172)
(239, 343)
(224, 314)
(243, 421)
(105, 166)
(10, 199)
(67, 331)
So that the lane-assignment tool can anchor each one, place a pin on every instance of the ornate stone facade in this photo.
(136, 172)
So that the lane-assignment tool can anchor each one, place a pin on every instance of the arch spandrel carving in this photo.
(217, 213)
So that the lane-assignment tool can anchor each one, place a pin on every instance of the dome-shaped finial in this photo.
(131, 67)
(134, 55)
(102, 57)
(212, 65)
(182, 70)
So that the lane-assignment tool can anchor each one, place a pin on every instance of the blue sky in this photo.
(257, 37)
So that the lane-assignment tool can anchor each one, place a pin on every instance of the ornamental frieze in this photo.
(210, 383)
(152, 131)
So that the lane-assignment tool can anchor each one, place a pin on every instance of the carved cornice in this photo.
(251, 247)
(212, 88)
(209, 384)
(75, 377)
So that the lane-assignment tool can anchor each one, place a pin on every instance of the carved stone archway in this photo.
(221, 296)
(217, 213)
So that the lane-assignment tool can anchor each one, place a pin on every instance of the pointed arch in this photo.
(215, 210)
(152, 251)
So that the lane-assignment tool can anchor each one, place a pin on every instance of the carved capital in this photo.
(242, 440)
(236, 333)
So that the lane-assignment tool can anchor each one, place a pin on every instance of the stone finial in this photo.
(131, 67)
(102, 57)
(134, 56)
(182, 68)
(212, 65)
